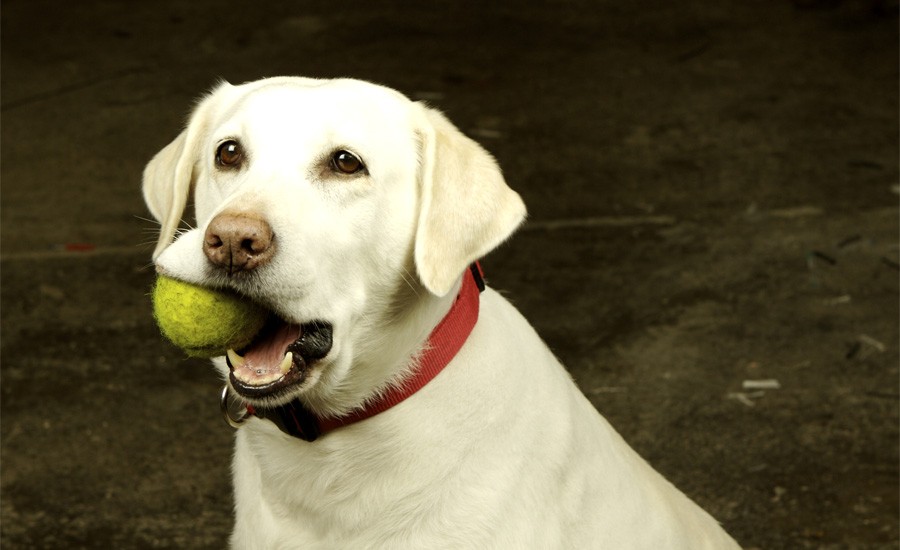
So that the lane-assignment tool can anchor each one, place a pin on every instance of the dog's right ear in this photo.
(466, 210)
(169, 176)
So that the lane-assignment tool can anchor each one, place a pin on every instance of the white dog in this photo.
(389, 404)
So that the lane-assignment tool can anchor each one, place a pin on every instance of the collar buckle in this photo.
(293, 419)
(234, 422)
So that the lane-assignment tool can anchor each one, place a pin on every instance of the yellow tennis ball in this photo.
(202, 321)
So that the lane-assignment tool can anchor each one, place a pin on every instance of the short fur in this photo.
(500, 450)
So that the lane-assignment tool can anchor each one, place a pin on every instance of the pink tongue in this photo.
(267, 351)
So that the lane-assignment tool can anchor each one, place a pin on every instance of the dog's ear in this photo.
(466, 207)
(168, 177)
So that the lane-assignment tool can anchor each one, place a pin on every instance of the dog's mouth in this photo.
(279, 359)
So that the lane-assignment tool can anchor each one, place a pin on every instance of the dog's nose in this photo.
(238, 242)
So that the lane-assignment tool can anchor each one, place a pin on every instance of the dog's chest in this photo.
(354, 489)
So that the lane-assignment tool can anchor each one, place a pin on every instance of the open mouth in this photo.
(279, 358)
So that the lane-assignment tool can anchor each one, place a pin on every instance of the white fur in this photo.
(501, 450)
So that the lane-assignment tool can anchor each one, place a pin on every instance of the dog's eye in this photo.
(229, 153)
(346, 162)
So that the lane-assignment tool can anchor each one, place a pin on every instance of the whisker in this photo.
(149, 220)
(408, 278)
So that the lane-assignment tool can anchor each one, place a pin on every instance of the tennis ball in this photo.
(202, 321)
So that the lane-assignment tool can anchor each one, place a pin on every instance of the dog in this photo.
(392, 401)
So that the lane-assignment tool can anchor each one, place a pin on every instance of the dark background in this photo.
(712, 189)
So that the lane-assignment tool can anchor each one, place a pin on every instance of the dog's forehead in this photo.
(318, 104)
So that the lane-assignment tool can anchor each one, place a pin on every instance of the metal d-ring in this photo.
(223, 403)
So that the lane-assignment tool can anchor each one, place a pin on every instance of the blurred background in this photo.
(712, 247)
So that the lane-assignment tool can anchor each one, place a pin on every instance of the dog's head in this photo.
(338, 204)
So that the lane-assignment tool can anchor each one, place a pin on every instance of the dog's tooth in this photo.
(235, 359)
(287, 362)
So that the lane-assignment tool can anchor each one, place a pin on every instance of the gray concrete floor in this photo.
(713, 197)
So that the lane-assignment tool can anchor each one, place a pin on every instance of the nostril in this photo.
(213, 240)
(252, 245)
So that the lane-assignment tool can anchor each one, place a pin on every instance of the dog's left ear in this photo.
(169, 175)
(466, 207)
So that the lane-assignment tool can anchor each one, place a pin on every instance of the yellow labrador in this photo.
(390, 404)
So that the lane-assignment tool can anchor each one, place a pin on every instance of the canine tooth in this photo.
(287, 362)
(235, 359)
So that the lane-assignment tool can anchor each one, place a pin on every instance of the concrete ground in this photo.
(713, 202)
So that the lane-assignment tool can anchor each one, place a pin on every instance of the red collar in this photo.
(443, 344)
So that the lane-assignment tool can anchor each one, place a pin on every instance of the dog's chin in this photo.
(281, 362)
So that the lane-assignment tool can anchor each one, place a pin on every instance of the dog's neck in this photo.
(405, 352)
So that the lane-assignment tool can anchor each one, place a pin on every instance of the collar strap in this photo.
(443, 344)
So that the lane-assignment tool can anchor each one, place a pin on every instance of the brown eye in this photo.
(230, 153)
(346, 162)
